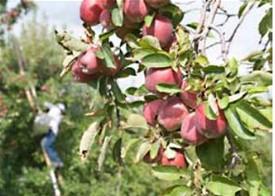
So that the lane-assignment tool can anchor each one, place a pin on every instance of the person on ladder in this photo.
(55, 113)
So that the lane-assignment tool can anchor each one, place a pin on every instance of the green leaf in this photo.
(117, 151)
(232, 68)
(144, 148)
(222, 186)
(201, 60)
(213, 69)
(170, 173)
(108, 55)
(87, 139)
(131, 143)
(267, 112)
(126, 73)
(266, 23)
(103, 151)
(237, 97)
(236, 126)
(223, 102)
(193, 25)
(241, 9)
(178, 190)
(157, 60)
(120, 97)
(173, 12)
(117, 17)
(136, 121)
(260, 78)
(212, 102)
(210, 114)
(149, 19)
(257, 89)
(168, 88)
(211, 154)
(140, 53)
(104, 36)
(70, 43)
(251, 116)
(155, 149)
(150, 42)
(183, 39)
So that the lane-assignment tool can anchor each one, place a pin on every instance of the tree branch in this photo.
(202, 36)
(235, 158)
(230, 39)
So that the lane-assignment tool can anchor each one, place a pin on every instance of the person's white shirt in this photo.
(55, 114)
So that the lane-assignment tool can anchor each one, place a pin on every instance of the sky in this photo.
(66, 13)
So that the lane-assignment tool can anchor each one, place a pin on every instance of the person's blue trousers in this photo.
(47, 144)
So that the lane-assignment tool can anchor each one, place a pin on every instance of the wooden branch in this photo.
(30, 91)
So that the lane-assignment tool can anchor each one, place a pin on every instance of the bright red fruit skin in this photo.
(210, 128)
(108, 3)
(189, 98)
(162, 29)
(189, 131)
(155, 76)
(151, 110)
(172, 113)
(179, 160)
(135, 10)
(79, 76)
(157, 3)
(89, 63)
(90, 11)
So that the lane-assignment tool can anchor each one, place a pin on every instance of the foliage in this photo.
(226, 165)
(23, 168)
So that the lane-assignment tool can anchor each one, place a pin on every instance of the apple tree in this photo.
(199, 123)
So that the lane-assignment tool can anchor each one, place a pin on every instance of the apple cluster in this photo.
(89, 67)
(182, 112)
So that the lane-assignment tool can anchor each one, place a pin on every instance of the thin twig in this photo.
(201, 24)
(230, 39)
(210, 21)
(222, 41)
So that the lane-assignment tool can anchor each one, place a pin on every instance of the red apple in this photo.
(189, 98)
(151, 110)
(135, 10)
(171, 113)
(90, 11)
(89, 62)
(189, 131)
(79, 76)
(210, 128)
(108, 3)
(155, 76)
(178, 161)
(106, 19)
(162, 29)
(157, 3)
